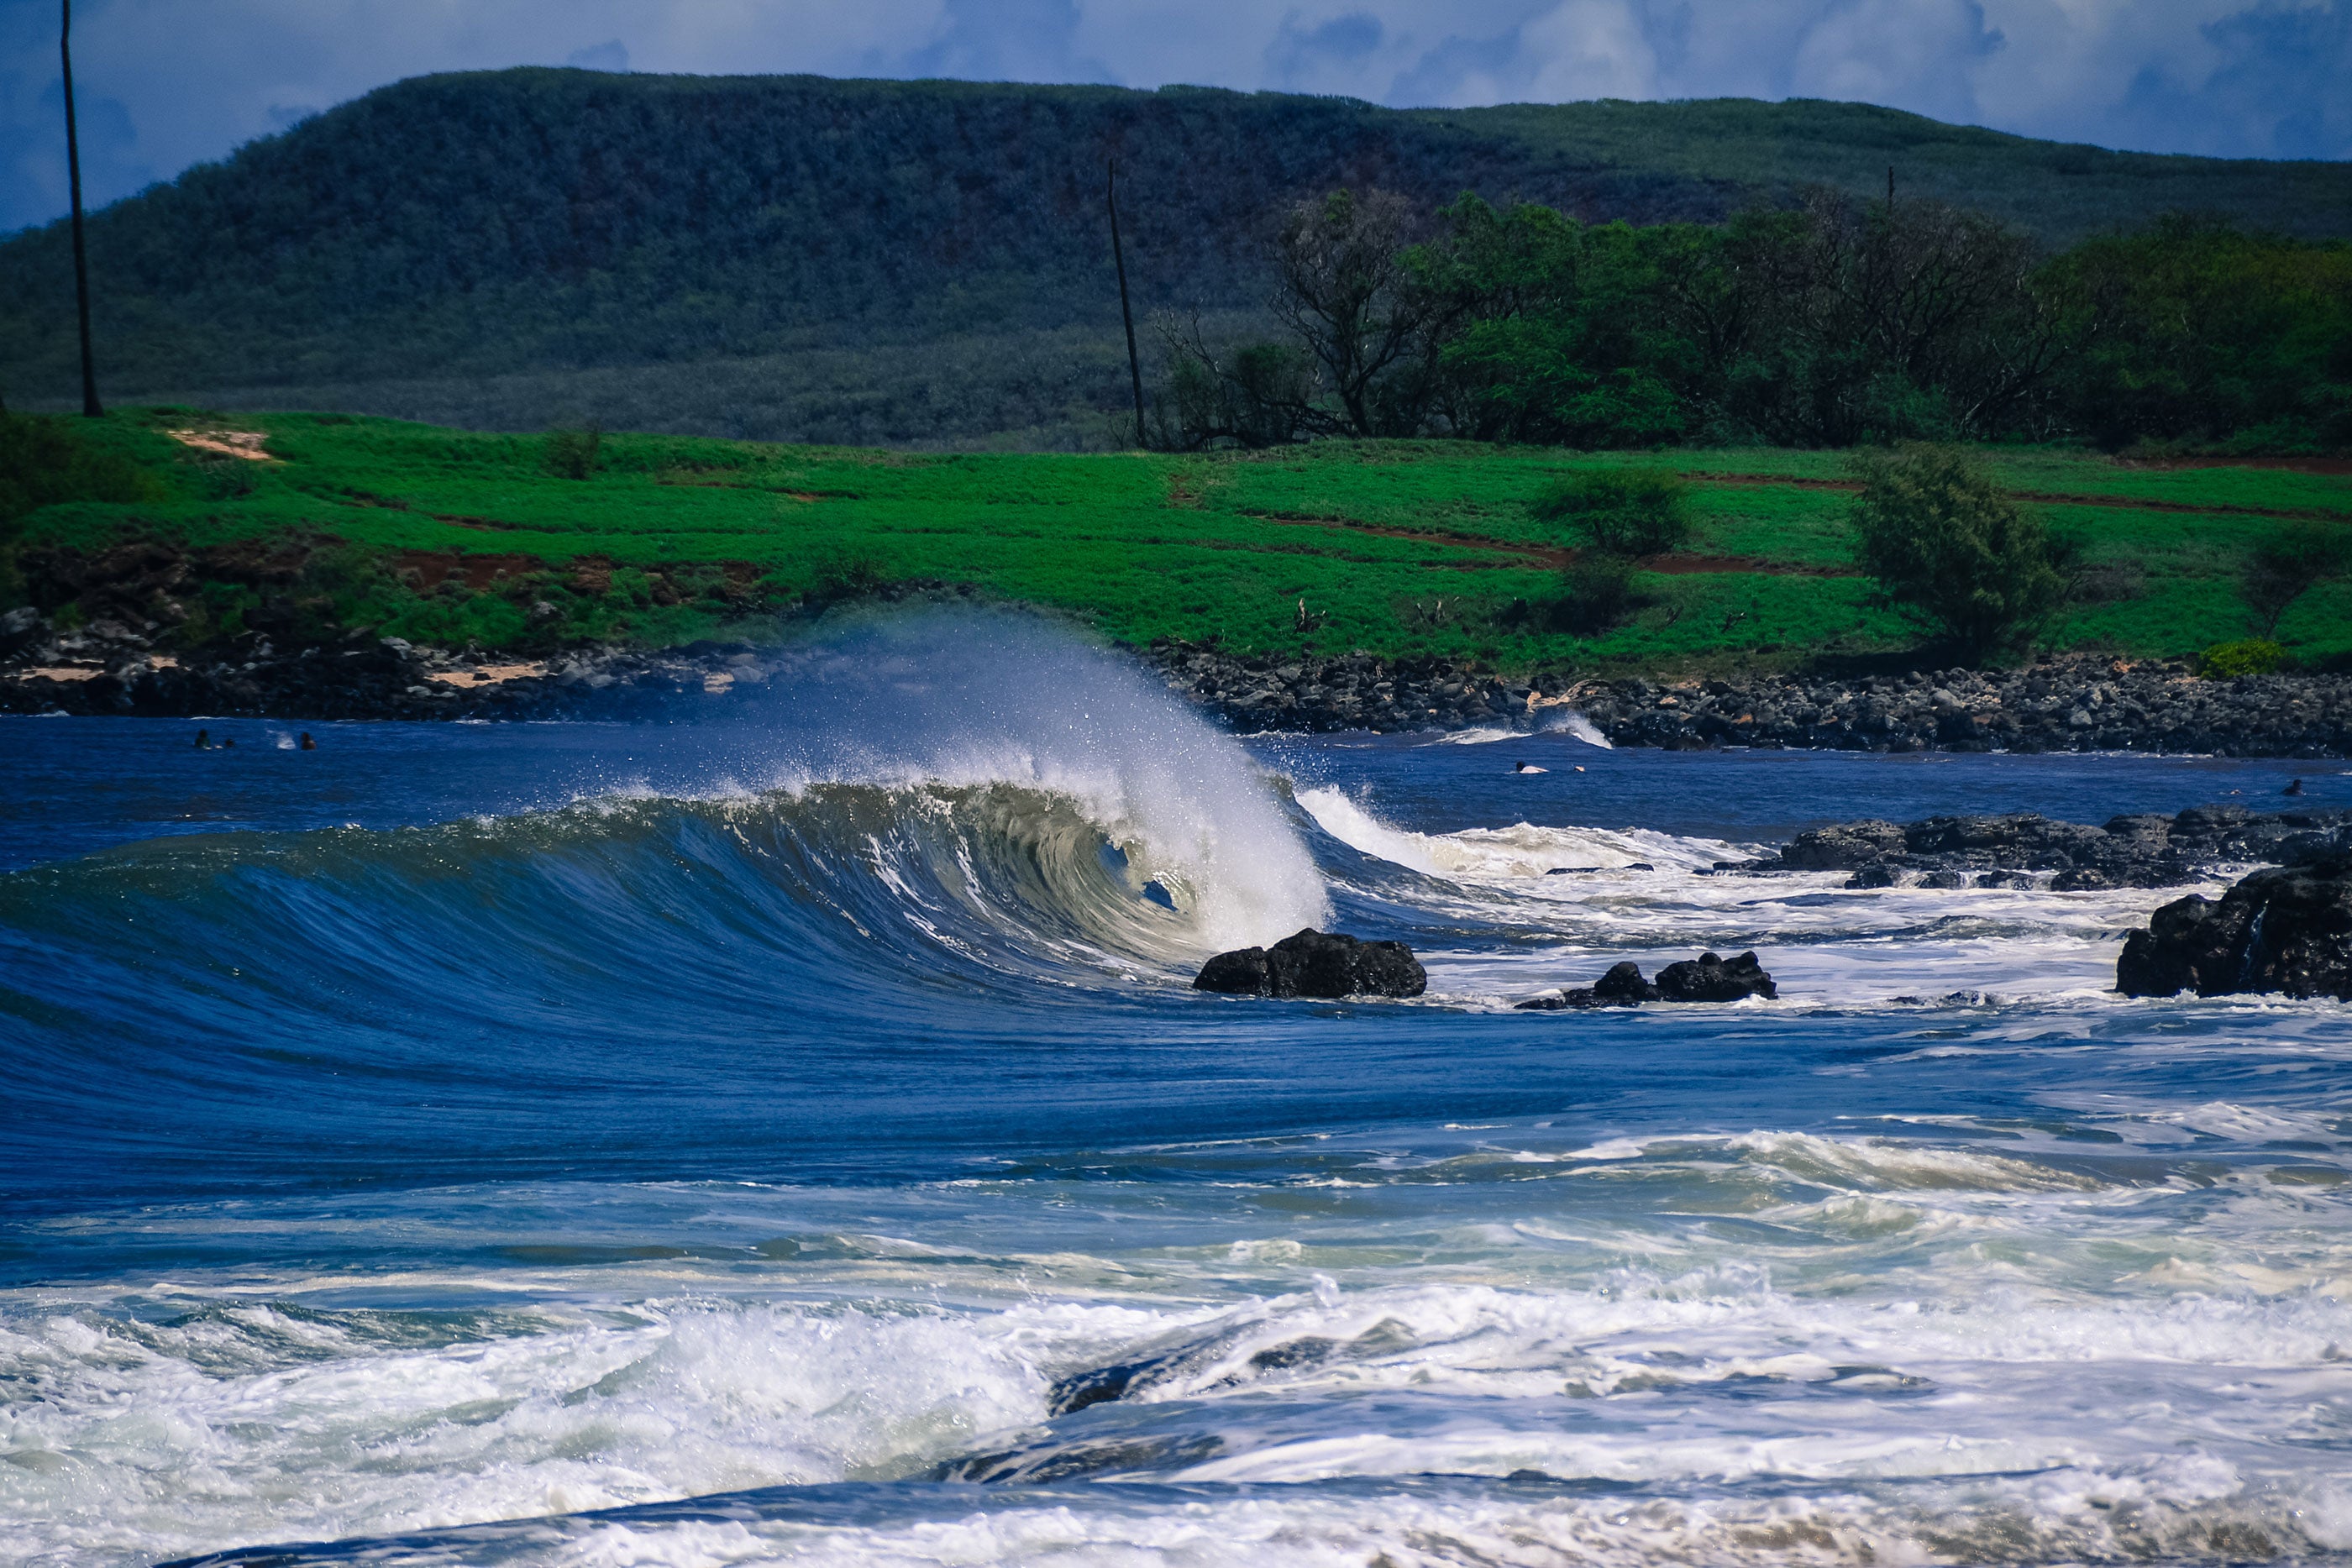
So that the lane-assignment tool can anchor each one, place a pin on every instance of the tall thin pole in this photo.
(1118, 258)
(1890, 187)
(90, 406)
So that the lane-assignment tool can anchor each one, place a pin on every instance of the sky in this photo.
(161, 84)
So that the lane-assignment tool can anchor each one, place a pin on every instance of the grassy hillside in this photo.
(444, 535)
(775, 255)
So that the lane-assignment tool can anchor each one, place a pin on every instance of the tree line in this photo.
(1835, 322)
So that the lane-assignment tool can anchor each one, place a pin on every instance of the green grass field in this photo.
(1395, 547)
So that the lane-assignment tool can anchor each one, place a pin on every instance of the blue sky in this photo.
(165, 83)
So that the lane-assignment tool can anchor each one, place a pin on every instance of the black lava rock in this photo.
(1706, 979)
(1844, 846)
(1711, 979)
(1316, 964)
(1623, 986)
(2287, 930)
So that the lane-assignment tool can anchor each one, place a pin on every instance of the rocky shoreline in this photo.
(2071, 705)
(2076, 704)
(105, 669)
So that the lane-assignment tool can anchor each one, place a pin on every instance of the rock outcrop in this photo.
(2286, 930)
(2141, 850)
(1705, 979)
(1313, 963)
(1709, 978)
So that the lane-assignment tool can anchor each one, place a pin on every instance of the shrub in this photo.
(2285, 566)
(1632, 512)
(571, 454)
(848, 573)
(2253, 656)
(1950, 549)
(1600, 592)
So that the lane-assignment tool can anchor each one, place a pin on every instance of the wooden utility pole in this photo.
(90, 406)
(1890, 187)
(1119, 259)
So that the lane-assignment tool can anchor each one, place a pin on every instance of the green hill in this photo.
(874, 261)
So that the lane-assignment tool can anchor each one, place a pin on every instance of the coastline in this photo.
(2073, 703)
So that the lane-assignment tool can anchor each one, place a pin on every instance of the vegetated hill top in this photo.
(848, 241)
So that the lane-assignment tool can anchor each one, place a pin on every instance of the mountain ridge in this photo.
(547, 230)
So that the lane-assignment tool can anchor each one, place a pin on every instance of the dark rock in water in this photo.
(1706, 979)
(1243, 972)
(2287, 930)
(1846, 846)
(2139, 850)
(1623, 986)
(1711, 979)
(1316, 964)
(1581, 997)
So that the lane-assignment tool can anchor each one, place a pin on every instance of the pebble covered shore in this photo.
(2077, 704)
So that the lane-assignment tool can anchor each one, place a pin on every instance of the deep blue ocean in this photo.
(763, 1137)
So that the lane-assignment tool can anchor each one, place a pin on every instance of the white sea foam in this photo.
(1555, 721)
(1520, 851)
(224, 1426)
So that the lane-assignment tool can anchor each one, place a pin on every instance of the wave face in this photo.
(787, 1134)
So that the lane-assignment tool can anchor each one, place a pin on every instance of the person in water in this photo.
(2294, 787)
(1528, 767)
(307, 743)
(203, 740)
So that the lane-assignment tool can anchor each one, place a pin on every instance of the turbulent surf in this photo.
(788, 1133)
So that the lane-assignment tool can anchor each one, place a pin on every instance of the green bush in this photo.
(2288, 564)
(1630, 512)
(1950, 550)
(1600, 592)
(571, 454)
(2252, 656)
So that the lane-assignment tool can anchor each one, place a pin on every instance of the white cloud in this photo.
(166, 82)
(1590, 48)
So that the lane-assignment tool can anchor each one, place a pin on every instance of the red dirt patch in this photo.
(2043, 497)
(1541, 556)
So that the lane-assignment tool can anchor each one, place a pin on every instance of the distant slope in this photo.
(505, 247)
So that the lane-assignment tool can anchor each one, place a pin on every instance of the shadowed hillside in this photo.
(792, 256)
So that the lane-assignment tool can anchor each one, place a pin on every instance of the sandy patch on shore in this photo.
(243, 443)
(90, 672)
(487, 675)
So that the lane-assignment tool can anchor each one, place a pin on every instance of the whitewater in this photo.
(785, 1133)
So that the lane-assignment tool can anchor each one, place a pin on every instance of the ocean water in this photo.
(786, 1134)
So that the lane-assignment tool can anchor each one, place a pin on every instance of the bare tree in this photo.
(1880, 302)
(1346, 287)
